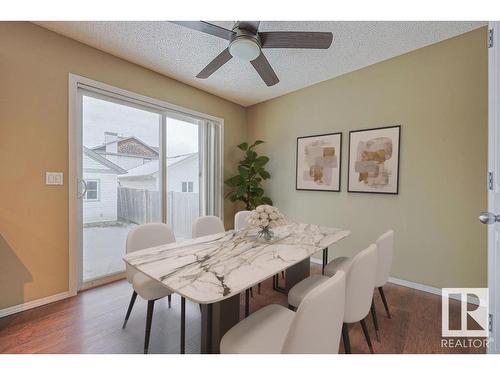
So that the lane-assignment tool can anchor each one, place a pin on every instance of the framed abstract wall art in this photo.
(373, 165)
(318, 162)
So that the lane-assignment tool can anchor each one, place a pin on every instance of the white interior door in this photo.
(494, 187)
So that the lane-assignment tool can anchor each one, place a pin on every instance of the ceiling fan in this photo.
(246, 43)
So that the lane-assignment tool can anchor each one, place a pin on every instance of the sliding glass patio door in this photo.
(139, 164)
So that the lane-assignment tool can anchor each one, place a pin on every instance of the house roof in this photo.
(102, 147)
(152, 167)
(101, 160)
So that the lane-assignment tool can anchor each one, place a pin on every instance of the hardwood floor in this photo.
(91, 323)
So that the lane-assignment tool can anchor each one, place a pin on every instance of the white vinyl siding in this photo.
(94, 165)
(104, 209)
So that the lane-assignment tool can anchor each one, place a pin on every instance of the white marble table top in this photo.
(212, 268)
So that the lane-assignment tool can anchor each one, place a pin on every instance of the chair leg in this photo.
(129, 310)
(247, 302)
(183, 325)
(325, 260)
(282, 274)
(384, 301)
(345, 338)
(367, 335)
(251, 292)
(375, 320)
(149, 319)
(169, 301)
(258, 288)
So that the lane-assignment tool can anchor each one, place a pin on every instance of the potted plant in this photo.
(246, 186)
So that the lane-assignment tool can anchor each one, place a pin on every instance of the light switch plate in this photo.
(53, 178)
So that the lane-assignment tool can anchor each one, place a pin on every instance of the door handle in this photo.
(488, 218)
(84, 188)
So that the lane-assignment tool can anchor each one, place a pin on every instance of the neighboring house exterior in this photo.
(100, 198)
(126, 152)
(183, 175)
(128, 162)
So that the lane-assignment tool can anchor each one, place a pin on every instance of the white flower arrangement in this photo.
(266, 217)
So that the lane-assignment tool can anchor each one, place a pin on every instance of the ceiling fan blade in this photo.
(251, 26)
(215, 64)
(265, 70)
(296, 39)
(207, 28)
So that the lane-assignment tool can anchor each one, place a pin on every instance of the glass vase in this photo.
(266, 233)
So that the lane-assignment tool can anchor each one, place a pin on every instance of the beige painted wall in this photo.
(34, 67)
(438, 95)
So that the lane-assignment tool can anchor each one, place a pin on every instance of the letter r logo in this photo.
(472, 318)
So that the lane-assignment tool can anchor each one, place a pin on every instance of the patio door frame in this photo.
(213, 189)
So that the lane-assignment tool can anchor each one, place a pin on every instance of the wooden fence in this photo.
(182, 209)
(141, 206)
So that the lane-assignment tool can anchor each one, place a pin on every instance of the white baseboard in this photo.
(412, 285)
(316, 260)
(32, 304)
(417, 286)
(428, 289)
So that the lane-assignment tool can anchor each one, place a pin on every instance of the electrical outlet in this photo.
(53, 178)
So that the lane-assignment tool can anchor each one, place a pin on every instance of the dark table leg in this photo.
(297, 273)
(247, 302)
(294, 274)
(216, 320)
(183, 325)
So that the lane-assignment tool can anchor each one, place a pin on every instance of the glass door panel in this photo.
(121, 178)
(183, 174)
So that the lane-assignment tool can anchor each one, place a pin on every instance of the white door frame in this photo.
(494, 185)
(74, 157)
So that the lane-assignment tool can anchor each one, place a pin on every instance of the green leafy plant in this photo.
(246, 186)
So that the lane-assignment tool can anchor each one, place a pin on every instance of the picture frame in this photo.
(319, 162)
(373, 160)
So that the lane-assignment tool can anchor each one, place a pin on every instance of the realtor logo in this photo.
(472, 319)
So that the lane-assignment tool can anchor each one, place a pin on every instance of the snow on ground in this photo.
(104, 248)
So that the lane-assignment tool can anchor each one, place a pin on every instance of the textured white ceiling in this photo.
(181, 53)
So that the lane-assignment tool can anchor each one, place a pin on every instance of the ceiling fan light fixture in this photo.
(246, 42)
(244, 48)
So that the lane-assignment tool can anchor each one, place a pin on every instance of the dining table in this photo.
(213, 270)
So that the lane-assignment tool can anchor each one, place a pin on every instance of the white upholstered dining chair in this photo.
(206, 225)
(143, 237)
(385, 251)
(241, 219)
(360, 280)
(314, 328)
